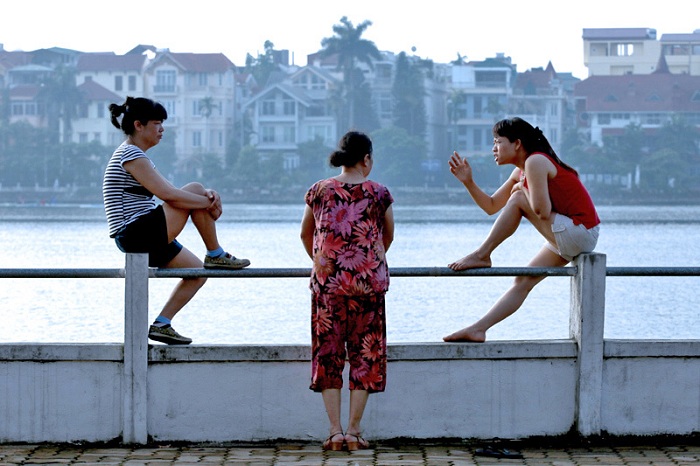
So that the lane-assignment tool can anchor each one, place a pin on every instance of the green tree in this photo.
(625, 152)
(163, 156)
(83, 163)
(61, 98)
(351, 49)
(665, 170)
(680, 137)
(409, 94)
(313, 161)
(246, 172)
(398, 157)
(29, 157)
(264, 65)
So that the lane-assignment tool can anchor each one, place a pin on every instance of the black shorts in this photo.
(149, 233)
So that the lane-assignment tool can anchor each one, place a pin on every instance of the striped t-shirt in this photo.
(124, 198)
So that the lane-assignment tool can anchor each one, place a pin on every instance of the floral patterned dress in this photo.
(349, 279)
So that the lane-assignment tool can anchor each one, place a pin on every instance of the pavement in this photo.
(686, 453)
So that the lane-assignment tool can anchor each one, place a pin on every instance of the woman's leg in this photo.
(510, 301)
(331, 400)
(505, 225)
(358, 401)
(177, 219)
(186, 288)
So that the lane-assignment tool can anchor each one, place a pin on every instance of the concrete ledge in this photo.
(652, 348)
(545, 349)
(43, 352)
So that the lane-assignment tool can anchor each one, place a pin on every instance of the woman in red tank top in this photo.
(542, 189)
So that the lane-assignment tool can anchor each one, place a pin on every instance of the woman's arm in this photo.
(308, 225)
(461, 169)
(142, 170)
(388, 236)
(538, 170)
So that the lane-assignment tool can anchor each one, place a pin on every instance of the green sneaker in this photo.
(227, 261)
(167, 335)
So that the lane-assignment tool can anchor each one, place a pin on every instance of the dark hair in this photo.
(352, 148)
(136, 109)
(531, 138)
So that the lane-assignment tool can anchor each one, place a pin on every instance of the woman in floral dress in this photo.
(348, 226)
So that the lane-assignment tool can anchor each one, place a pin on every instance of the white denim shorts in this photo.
(572, 240)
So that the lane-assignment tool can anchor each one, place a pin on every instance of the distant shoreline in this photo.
(408, 196)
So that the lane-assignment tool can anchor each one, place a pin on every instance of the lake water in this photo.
(276, 311)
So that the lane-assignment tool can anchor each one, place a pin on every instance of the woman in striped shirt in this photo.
(139, 224)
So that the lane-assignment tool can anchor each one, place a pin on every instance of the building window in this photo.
(288, 107)
(604, 119)
(82, 111)
(478, 106)
(97, 137)
(30, 108)
(623, 50)
(319, 131)
(203, 79)
(289, 134)
(165, 81)
(83, 138)
(118, 83)
(599, 50)
(268, 133)
(196, 139)
(385, 106)
(17, 109)
(384, 71)
(267, 107)
(169, 107)
(132, 83)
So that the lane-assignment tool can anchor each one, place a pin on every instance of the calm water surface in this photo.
(276, 311)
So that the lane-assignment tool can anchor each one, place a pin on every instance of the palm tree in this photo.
(351, 48)
(61, 96)
(206, 108)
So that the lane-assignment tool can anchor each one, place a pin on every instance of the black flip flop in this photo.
(498, 453)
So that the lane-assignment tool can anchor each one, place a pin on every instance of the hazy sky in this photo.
(530, 32)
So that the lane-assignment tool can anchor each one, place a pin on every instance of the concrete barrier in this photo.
(135, 393)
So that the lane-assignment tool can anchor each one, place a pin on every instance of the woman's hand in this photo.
(460, 168)
(519, 186)
(215, 209)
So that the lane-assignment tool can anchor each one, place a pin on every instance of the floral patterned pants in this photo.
(352, 327)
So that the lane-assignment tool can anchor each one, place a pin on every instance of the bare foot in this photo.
(470, 261)
(466, 334)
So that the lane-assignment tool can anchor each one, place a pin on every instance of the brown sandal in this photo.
(332, 445)
(358, 443)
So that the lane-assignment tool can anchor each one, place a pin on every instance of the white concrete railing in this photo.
(138, 393)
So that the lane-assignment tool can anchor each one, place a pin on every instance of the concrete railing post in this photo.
(135, 428)
(586, 326)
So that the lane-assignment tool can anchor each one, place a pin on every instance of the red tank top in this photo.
(569, 197)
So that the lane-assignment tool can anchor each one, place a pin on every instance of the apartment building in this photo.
(619, 51)
(296, 109)
(197, 90)
(545, 99)
(636, 79)
(479, 93)
(103, 79)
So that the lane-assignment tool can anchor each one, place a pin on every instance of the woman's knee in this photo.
(526, 283)
(518, 198)
(195, 187)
